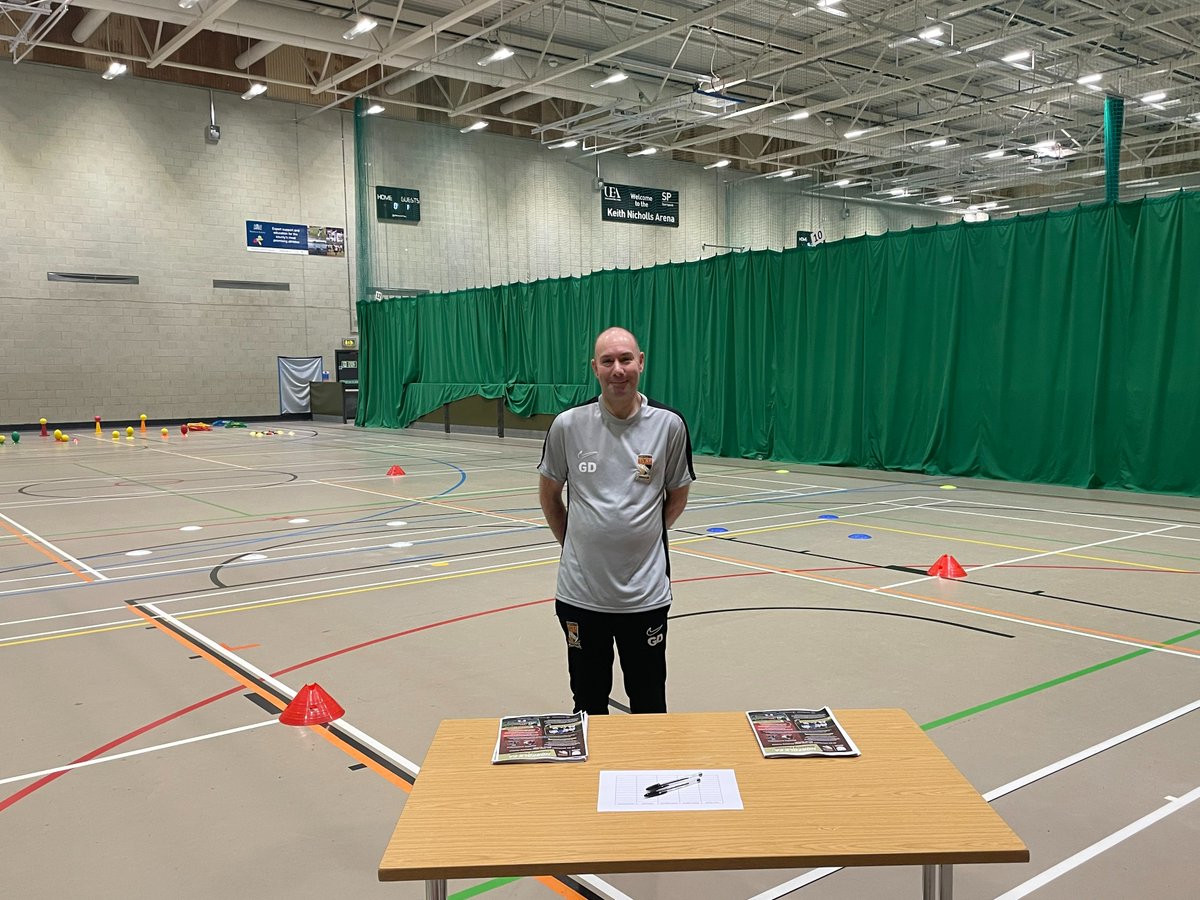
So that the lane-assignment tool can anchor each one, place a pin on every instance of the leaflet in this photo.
(800, 732)
(552, 737)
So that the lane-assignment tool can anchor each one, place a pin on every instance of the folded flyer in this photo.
(800, 732)
(554, 737)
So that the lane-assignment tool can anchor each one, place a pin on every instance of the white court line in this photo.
(817, 874)
(884, 592)
(1074, 862)
(1144, 520)
(116, 756)
(1020, 559)
(229, 656)
(251, 604)
(47, 544)
(603, 887)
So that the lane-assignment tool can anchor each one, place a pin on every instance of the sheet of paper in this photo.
(637, 790)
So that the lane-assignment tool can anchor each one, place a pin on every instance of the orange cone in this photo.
(395, 470)
(947, 567)
(311, 706)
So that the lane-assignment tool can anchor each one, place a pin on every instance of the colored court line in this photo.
(483, 888)
(241, 647)
(950, 604)
(42, 547)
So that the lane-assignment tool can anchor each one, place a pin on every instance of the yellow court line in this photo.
(284, 602)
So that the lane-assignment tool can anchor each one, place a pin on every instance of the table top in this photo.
(902, 802)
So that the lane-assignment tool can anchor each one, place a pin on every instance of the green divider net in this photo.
(1114, 121)
(1055, 348)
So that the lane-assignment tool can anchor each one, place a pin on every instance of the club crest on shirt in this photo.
(645, 465)
(573, 636)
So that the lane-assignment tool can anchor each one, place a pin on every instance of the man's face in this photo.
(618, 366)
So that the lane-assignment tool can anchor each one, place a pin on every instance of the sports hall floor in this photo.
(144, 582)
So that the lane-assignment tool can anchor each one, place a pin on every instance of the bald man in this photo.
(626, 462)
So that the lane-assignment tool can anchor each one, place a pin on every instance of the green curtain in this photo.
(1057, 348)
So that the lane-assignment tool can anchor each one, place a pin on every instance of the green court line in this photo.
(936, 723)
(481, 888)
(182, 495)
(1062, 679)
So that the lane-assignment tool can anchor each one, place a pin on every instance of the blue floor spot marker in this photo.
(860, 537)
(827, 516)
(716, 530)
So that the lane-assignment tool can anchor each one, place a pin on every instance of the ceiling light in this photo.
(501, 52)
(844, 182)
(855, 133)
(474, 126)
(930, 33)
(830, 6)
(1015, 57)
(1089, 79)
(782, 173)
(612, 78)
(114, 69)
(798, 177)
(801, 114)
(995, 154)
(255, 89)
(719, 164)
(373, 110)
(899, 192)
(939, 142)
(563, 145)
(1156, 97)
(645, 151)
(362, 24)
(945, 198)
(187, 4)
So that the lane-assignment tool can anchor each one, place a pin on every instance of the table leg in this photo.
(435, 889)
(946, 879)
(929, 882)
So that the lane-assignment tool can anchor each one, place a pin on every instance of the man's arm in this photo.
(550, 496)
(676, 500)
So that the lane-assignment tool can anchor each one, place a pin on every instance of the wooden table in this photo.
(901, 803)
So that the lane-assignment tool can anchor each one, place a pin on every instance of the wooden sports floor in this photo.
(160, 600)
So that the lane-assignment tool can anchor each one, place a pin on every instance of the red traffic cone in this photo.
(311, 706)
(395, 470)
(947, 567)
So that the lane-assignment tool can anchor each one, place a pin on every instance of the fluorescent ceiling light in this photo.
(798, 177)
(938, 142)
(563, 145)
(800, 114)
(719, 164)
(1156, 97)
(612, 78)
(1144, 184)
(855, 133)
(362, 24)
(187, 4)
(373, 110)
(114, 69)
(844, 182)
(995, 154)
(929, 34)
(645, 151)
(782, 173)
(945, 198)
(255, 89)
(830, 6)
(1089, 79)
(899, 192)
(1015, 57)
(501, 52)
(474, 126)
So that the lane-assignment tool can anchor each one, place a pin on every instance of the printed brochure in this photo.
(555, 737)
(800, 732)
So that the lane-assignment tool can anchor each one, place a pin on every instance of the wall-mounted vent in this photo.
(230, 284)
(91, 278)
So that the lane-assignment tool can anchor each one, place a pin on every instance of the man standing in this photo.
(627, 465)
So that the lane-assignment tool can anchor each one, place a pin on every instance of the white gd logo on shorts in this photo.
(655, 636)
(587, 466)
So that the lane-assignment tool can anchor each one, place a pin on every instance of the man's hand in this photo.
(550, 497)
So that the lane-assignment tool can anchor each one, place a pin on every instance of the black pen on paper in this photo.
(657, 790)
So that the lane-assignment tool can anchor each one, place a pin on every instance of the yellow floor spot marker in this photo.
(782, 471)
(440, 564)
(949, 487)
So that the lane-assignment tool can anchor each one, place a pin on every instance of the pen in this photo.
(656, 790)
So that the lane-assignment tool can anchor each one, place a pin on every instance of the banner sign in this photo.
(306, 240)
(397, 204)
(809, 238)
(640, 205)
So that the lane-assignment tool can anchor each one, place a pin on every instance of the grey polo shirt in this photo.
(617, 472)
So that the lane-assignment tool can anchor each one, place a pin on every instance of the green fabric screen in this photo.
(1059, 348)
